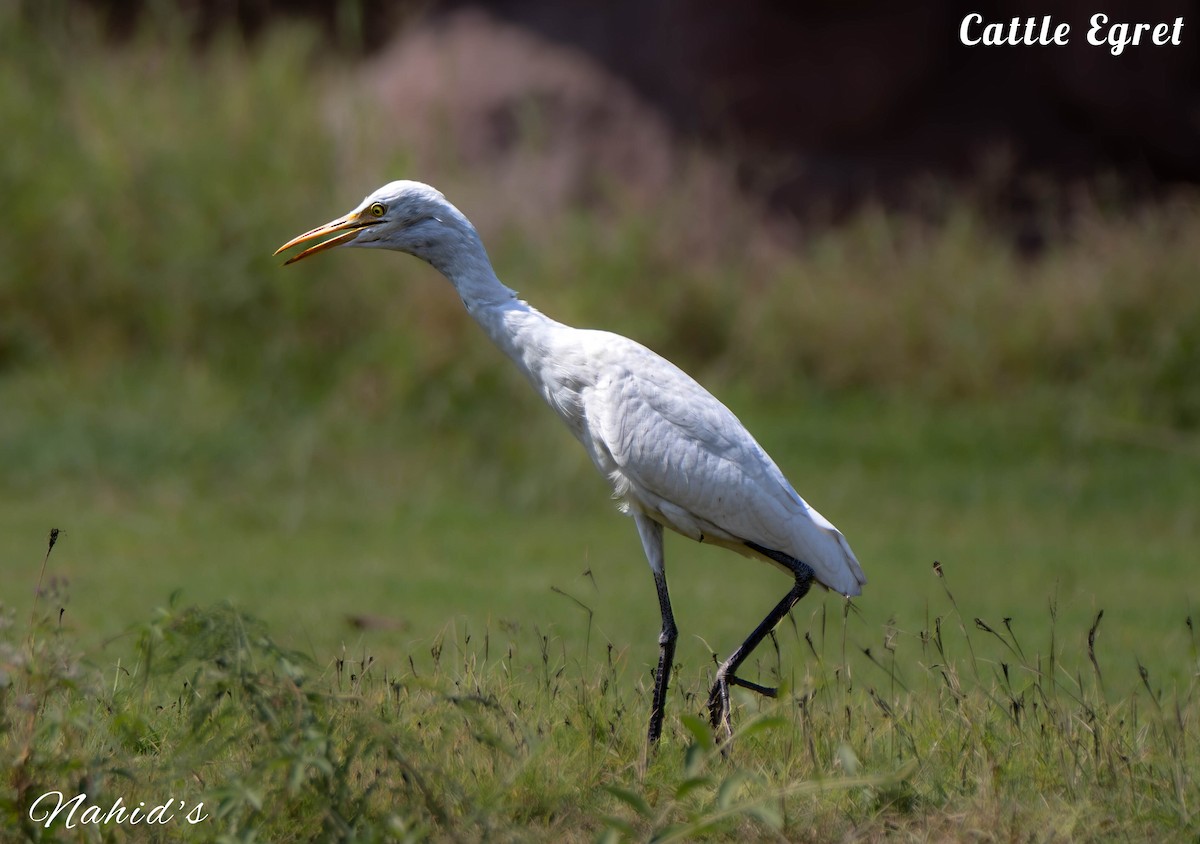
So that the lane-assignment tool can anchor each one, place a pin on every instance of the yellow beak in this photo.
(349, 227)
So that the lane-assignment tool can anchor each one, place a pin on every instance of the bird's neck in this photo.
(460, 257)
(515, 327)
(546, 352)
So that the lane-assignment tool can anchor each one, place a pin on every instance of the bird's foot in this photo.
(765, 691)
(718, 707)
(718, 701)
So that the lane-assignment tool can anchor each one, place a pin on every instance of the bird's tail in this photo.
(829, 555)
(854, 578)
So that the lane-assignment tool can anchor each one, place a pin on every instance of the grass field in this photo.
(328, 567)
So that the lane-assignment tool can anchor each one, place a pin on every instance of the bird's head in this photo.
(406, 216)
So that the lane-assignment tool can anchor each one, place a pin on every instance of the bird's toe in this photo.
(718, 706)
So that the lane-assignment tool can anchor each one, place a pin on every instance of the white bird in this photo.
(676, 456)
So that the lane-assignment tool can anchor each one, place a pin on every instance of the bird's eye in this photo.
(378, 209)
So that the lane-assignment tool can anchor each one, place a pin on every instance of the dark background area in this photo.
(827, 103)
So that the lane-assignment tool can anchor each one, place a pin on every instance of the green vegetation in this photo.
(456, 631)
(514, 737)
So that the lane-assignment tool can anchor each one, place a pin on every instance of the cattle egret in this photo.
(676, 456)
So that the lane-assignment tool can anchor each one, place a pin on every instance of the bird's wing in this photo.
(682, 455)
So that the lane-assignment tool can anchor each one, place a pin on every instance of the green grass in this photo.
(505, 735)
(457, 629)
(540, 705)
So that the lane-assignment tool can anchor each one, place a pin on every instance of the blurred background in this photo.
(952, 290)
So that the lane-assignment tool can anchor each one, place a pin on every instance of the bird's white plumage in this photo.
(669, 447)
(675, 453)
(671, 450)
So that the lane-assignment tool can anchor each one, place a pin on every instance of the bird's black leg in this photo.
(651, 533)
(666, 656)
(718, 697)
